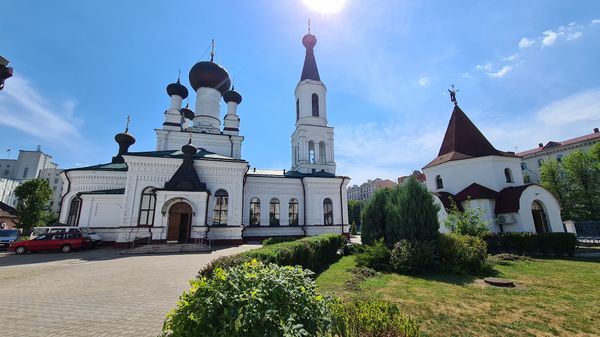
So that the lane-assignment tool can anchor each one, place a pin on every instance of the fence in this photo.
(588, 232)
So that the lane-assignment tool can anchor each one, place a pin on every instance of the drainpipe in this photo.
(62, 198)
(304, 205)
(243, 189)
(231, 150)
(206, 217)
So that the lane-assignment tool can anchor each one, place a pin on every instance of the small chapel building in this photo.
(472, 173)
(196, 185)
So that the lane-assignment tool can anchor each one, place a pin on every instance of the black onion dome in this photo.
(124, 138)
(177, 89)
(189, 149)
(187, 113)
(232, 96)
(309, 41)
(207, 74)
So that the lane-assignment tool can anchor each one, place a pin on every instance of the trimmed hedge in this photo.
(278, 239)
(315, 253)
(531, 243)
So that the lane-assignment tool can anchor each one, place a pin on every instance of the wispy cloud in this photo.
(525, 43)
(501, 73)
(423, 81)
(24, 108)
(549, 38)
(595, 21)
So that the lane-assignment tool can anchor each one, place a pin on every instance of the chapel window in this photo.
(74, 208)
(322, 152)
(147, 207)
(274, 212)
(220, 211)
(508, 175)
(254, 212)
(439, 183)
(293, 212)
(297, 109)
(311, 152)
(315, 105)
(327, 212)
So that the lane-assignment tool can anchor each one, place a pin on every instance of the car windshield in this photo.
(8, 232)
(39, 231)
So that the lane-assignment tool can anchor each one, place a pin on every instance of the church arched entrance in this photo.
(180, 222)
(540, 220)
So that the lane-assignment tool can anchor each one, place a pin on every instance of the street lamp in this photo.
(5, 72)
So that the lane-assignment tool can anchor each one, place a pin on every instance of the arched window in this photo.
(523, 166)
(220, 211)
(311, 152)
(293, 212)
(147, 207)
(540, 162)
(254, 212)
(315, 105)
(274, 212)
(508, 175)
(74, 208)
(297, 109)
(327, 212)
(322, 152)
(439, 183)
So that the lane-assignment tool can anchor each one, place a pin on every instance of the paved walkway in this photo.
(94, 293)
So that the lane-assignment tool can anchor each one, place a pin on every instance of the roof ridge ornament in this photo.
(212, 50)
(128, 120)
(308, 26)
(453, 95)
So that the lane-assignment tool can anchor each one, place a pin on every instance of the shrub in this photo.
(375, 256)
(371, 319)
(462, 253)
(251, 300)
(413, 257)
(315, 253)
(355, 249)
(278, 239)
(467, 222)
(353, 230)
(359, 274)
(531, 243)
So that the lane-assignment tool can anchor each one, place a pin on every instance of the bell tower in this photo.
(312, 141)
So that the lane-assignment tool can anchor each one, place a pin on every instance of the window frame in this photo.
(293, 212)
(74, 212)
(254, 219)
(315, 104)
(439, 182)
(149, 192)
(327, 212)
(274, 212)
(221, 213)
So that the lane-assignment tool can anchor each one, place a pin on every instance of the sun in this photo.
(325, 6)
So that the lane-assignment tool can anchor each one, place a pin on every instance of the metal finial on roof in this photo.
(308, 26)
(190, 141)
(178, 75)
(212, 50)
(127, 123)
(453, 95)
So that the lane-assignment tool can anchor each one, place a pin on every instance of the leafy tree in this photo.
(468, 222)
(575, 182)
(33, 196)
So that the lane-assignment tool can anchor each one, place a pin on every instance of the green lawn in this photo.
(553, 298)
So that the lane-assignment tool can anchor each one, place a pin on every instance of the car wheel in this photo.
(20, 250)
(66, 248)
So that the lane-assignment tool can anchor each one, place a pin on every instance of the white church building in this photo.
(470, 171)
(196, 185)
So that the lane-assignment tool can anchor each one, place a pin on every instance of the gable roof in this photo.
(463, 140)
(509, 199)
(553, 144)
(6, 209)
(476, 191)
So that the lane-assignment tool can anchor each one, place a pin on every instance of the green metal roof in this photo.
(201, 154)
(111, 191)
(102, 167)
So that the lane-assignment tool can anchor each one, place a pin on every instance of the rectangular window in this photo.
(25, 171)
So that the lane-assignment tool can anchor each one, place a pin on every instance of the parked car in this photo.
(7, 236)
(37, 231)
(64, 242)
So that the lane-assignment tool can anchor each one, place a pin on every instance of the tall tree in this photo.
(33, 196)
(552, 178)
(373, 216)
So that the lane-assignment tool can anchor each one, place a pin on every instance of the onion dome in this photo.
(310, 70)
(309, 41)
(189, 149)
(232, 96)
(125, 140)
(207, 74)
(187, 113)
(177, 89)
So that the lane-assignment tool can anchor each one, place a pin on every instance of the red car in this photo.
(64, 242)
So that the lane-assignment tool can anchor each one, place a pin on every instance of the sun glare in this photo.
(325, 6)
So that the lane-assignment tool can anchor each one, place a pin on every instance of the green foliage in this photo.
(354, 210)
(575, 182)
(315, 253)
(405, 212)
(278, 239)
(413, 257)
(251, 300)
(531, 244)
(33, 196)
(463, 254)
(359, 274)
(375, 256)
(468, 222)
(371, 318)
(353, 230)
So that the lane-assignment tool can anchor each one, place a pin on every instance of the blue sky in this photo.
(527, 72)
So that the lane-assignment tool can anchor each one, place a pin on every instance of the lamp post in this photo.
(5, 72)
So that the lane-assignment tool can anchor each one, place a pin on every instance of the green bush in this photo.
(278, 239)
(375, 256)
(462, 253)
(531, 243)
(413, 257)
(251, 300)
(371, 319)
(315, 253)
